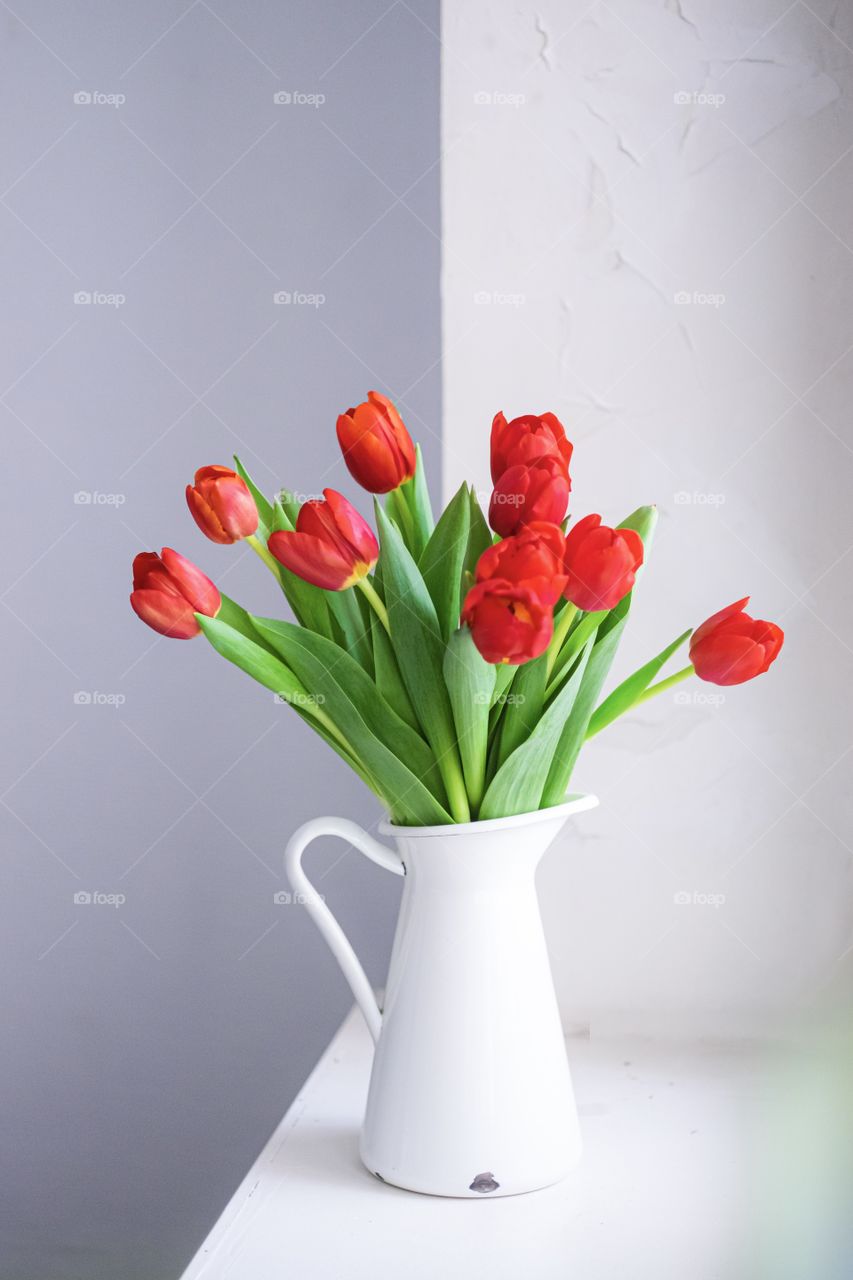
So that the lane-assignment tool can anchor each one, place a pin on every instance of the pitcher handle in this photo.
(339, 944)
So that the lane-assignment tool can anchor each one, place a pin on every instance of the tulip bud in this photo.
(377, 448)
(525, 493)
(526, 439)
(332, 547)
(510, 622)
(221, 505)
(600, 563)
(731, 647)
(532, 558)
(169, 590)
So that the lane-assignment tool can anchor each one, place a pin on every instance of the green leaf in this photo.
(523, 705)
(232, 635)
(643, 521)
(391, 750)
(518, 785)
(479, 537)
(418, 646)
(626, 694)
(584, 627)
(470, 682)
(290, 505)
(281, 521)
(352, 629)
(574, 731)
(416, 495)
(387, 675)
(261, 502)
(442, 561)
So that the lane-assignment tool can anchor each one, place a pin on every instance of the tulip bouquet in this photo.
(457, 668)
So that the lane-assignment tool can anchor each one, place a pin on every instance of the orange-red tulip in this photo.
(533, 558)
(731, 647)
(600, 563)
(332, 547)
(525, 439)
(377, 448)
(221, 505)
(510, 622)
(527, 493)
(168, 590)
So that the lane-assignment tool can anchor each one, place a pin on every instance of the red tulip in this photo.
(732, 647)
(333, 547)
(525, 439)
(168, 590)
(221, 505)
(533, 558)
(377, 448)
(510, 622)
(600, 563)
(524, 494)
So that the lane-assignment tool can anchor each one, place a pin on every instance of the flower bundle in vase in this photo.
(457, 669)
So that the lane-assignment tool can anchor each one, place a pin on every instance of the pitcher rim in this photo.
(578, 803)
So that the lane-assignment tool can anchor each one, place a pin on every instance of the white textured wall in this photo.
(601, 162)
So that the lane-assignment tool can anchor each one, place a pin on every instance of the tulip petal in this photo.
(315, 560)
(167, 614)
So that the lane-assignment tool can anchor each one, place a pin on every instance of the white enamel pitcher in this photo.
(470, 1093)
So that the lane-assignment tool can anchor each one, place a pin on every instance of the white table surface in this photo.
(662, 1190)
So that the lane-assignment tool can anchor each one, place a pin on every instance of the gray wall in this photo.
(149, 1048)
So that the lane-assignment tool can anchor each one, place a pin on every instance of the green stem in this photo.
(370, 593)
(661, 687)
(561, 630)
(454, 785)
(265, 554)
(400, 509)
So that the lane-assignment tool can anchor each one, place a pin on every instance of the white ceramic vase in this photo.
(470, 1093)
